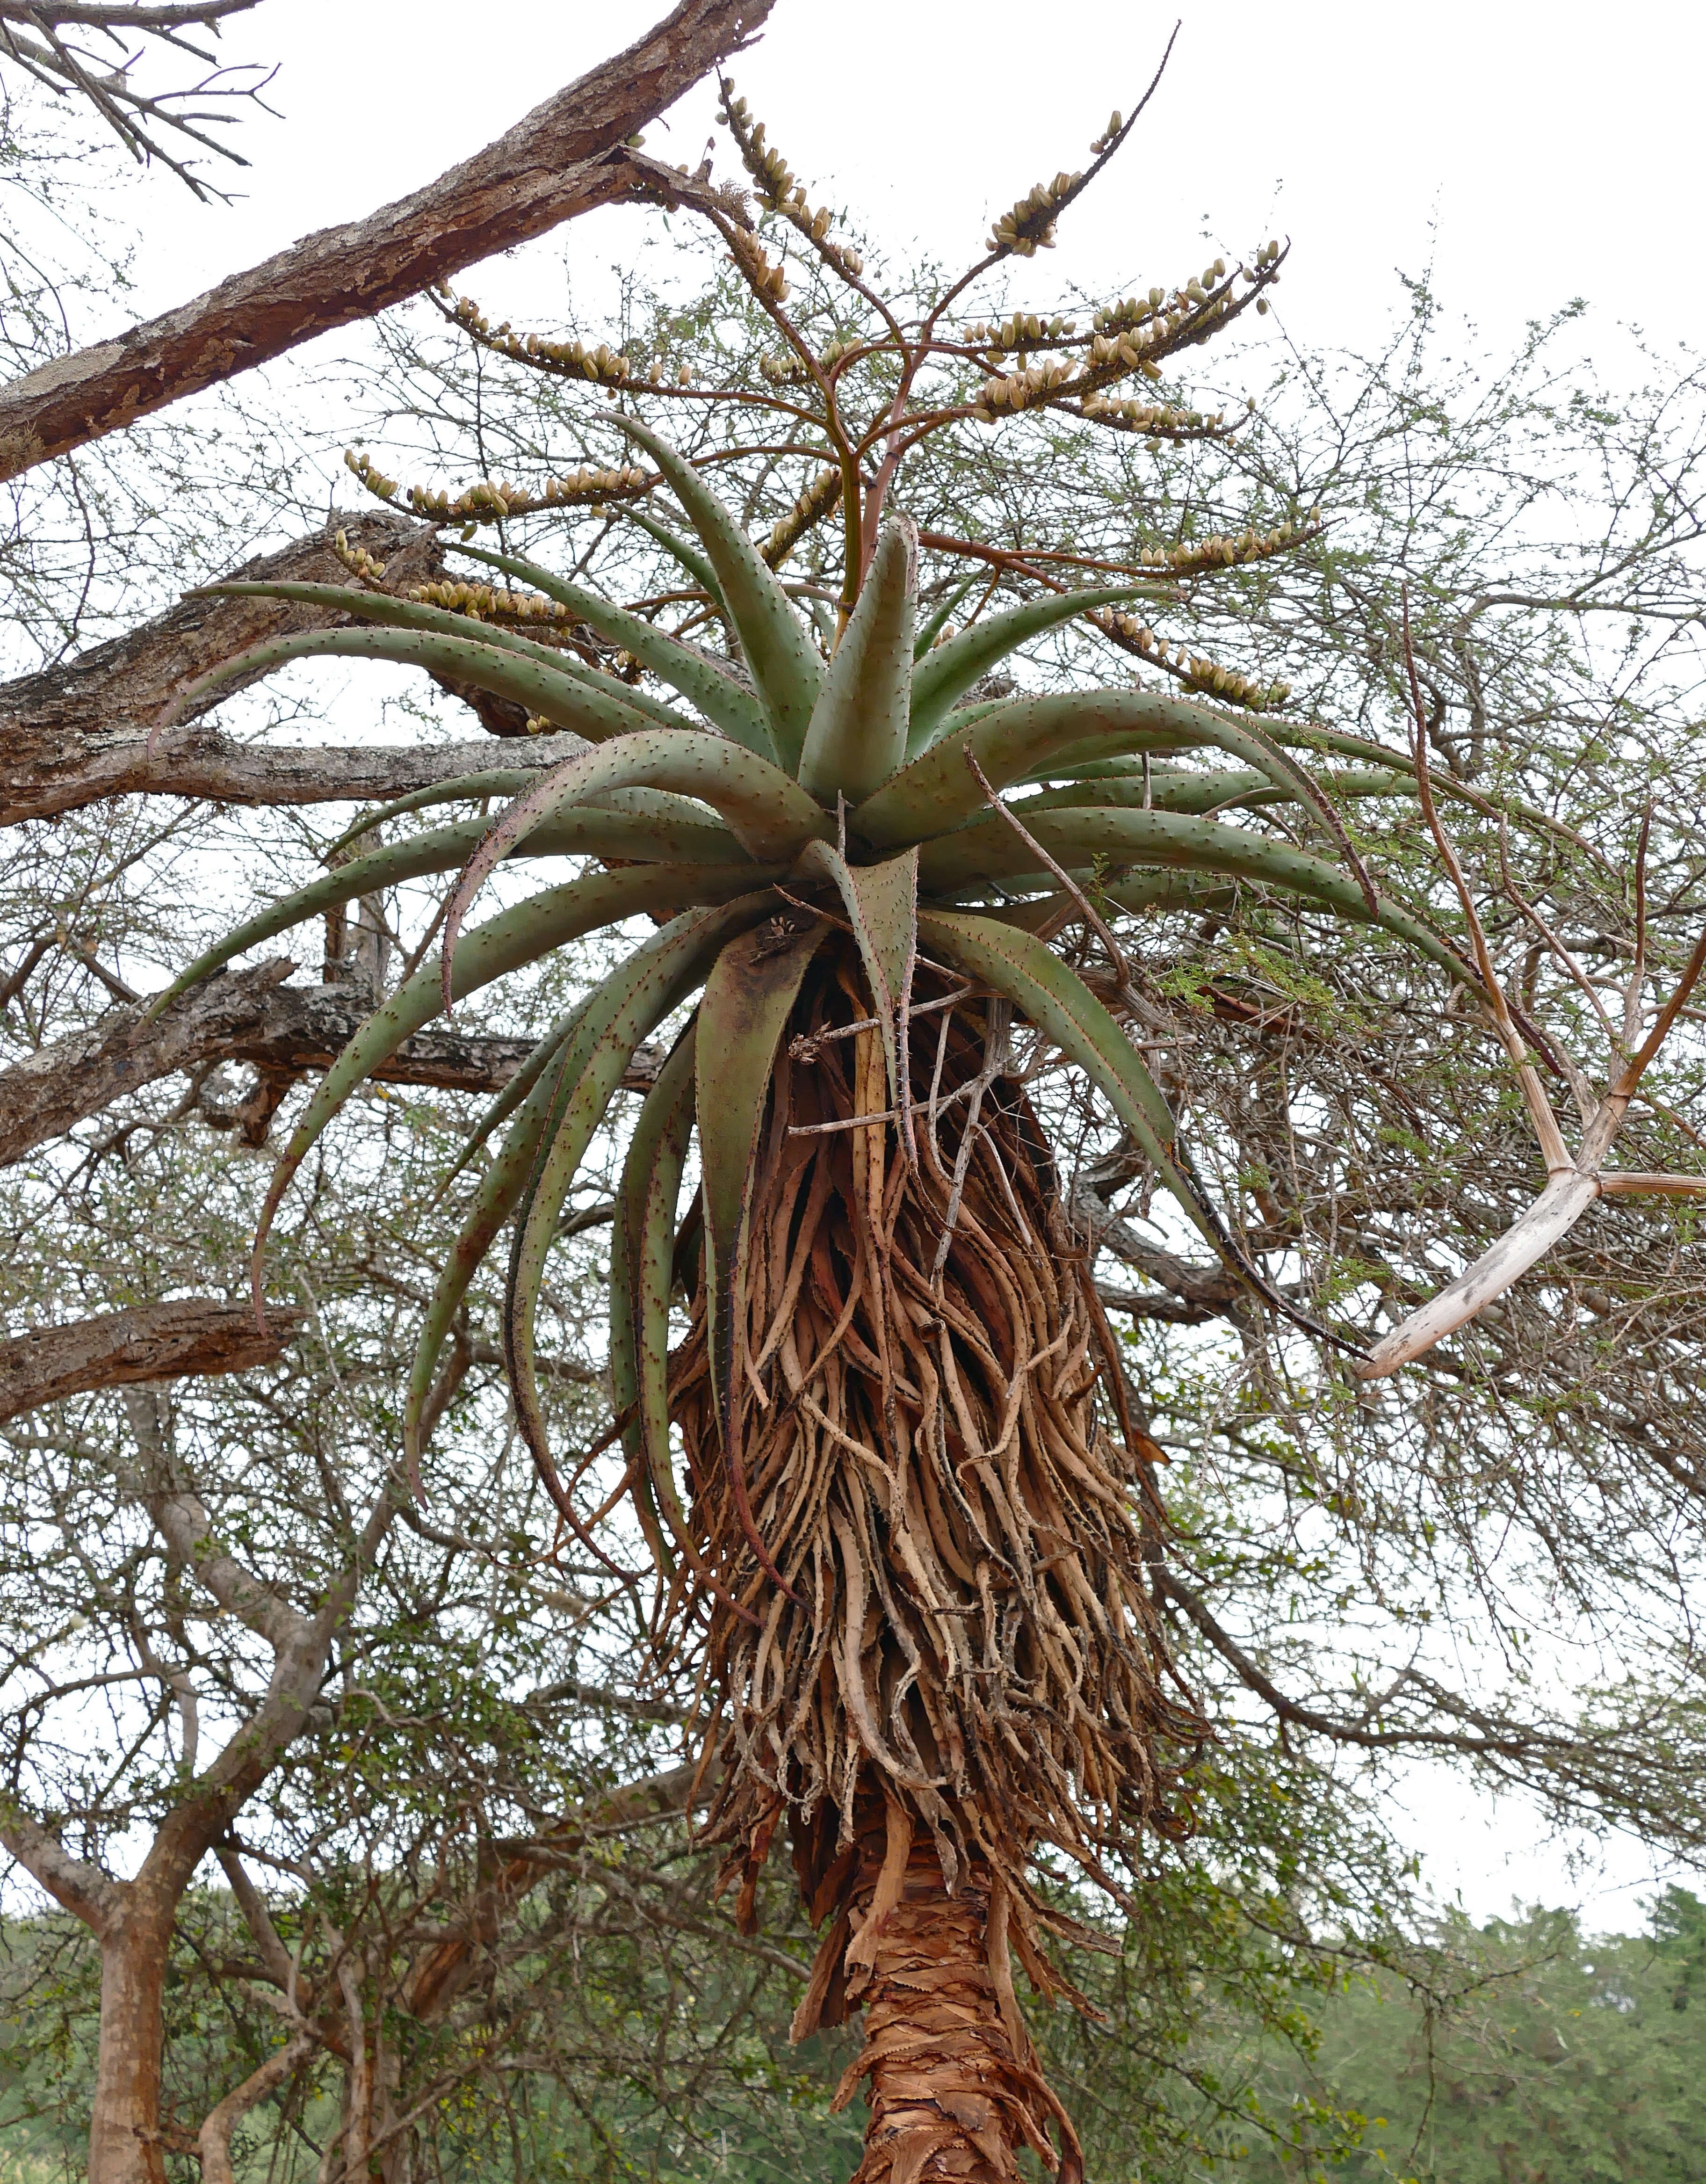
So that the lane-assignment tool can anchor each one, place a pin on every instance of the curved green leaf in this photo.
(771, 816)
(505, 943)
(414, 614)
(780, 654)
(720, 695)
(1083, 839)
(503, 1104)
(1017, 740)
(1163, 891)
(951, 669)
(1195, 794)
(937, 791)
(1180, 790)
(642, 836)
(857, 737)
(495, 1198)
(696, 566)
(555, 696)
(662, 1107)
(940, 616)
(631, 1003)
(742, 1015)
(639, 1318)
(459, 788)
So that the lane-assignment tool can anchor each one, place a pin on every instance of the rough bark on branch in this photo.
(74, 734)
(147, 1342)
(564, 158)
(247, 1016)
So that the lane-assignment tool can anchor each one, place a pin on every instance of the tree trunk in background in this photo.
(125, 2117)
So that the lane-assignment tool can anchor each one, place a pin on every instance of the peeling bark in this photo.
(147, 1342)
(564, 158)
(955, 2090)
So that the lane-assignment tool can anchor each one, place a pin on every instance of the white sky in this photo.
(1528, 153)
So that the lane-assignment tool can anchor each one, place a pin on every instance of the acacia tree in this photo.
(921, 1550)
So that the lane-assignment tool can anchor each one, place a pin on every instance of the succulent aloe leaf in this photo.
(498, 1110)
(940, 617)
(1017, 741)
(742, 1014)
(1182, 790)
(695, 564)
(495, 1198)
(771, 816)
(857, 737)
(636, 1331)
(505, 943)
(781, 656)
(1195, 794)
(460, 788)
(642, 1258)
(951, 668)
(719, 694)
(1082, 839)
(437, 850)
(1054, 998)
(656, 979)
(553, 695)
(1044, 914)
(881, 903)
(935, 792)
(681, 834)
(659, 1164)
(414, 614)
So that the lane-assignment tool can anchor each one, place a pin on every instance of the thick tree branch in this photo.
(565, 157)
(147, 1342)
(247, 1016)
(78, 732)
(82, 1889)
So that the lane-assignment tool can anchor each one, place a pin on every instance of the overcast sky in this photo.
(1532, 152)
(1525, 153)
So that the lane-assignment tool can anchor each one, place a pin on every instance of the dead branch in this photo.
(564, 158)
(1572, 1183)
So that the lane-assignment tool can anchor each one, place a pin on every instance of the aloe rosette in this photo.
(907, 1519)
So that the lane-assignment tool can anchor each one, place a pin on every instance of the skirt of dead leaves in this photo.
(967, 1662)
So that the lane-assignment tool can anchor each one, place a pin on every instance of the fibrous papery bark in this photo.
(965, 1663)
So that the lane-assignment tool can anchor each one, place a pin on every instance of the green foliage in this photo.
(1533, 2055)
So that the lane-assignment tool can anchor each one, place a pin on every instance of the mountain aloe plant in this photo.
(892, 1490)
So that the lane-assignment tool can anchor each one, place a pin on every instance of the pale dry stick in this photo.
(1126, 990)
(859, 1122)
(998, 1022)
(1097, 924)
(1572, 1185)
